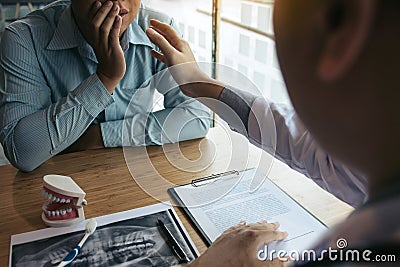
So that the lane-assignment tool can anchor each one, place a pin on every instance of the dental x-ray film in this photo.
(130, 238)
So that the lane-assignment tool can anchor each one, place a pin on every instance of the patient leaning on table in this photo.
(340, 63)
(68, 73)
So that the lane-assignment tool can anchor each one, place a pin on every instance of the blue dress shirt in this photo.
(50, 93)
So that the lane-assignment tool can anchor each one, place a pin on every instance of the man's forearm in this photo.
(33, 139)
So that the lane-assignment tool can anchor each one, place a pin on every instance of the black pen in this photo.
(171, 241)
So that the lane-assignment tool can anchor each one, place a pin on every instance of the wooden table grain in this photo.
(106, 177)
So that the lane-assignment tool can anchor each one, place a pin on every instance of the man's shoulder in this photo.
(146, 14)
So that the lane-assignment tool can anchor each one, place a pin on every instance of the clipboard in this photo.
(317, 227)
(198, 183)
(211, 178)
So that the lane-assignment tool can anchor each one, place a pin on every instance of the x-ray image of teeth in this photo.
(133, 242)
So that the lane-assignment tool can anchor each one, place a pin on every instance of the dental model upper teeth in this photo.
(65, 201)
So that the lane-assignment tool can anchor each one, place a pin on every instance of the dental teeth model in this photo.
(65, 201)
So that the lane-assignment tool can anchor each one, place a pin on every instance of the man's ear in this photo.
(345, 25)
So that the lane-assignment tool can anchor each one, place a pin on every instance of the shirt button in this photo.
(99, 105)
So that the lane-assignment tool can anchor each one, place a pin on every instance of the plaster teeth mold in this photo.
(65, 201)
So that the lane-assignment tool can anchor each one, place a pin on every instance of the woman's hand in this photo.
(238, 246)
(175, 49)
(178, 56)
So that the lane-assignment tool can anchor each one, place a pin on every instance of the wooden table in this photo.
(106, 179)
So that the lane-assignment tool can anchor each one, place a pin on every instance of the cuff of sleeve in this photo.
(112, 133)
(240, 102)
(93, 96)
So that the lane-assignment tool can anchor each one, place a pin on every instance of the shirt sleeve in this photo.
(293, 144)
(32, 128)
(182, 119)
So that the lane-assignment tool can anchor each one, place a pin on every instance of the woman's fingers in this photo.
(267, 236)
(235, 227)
(261, 232)
(262, 225)
(168, 32)
(158, 56)
(160, 41)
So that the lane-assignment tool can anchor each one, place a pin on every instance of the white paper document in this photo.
(217, 204)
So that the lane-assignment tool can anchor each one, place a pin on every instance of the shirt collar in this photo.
(67, 34)
(135, 35)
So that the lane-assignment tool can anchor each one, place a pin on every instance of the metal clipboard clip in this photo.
(212, 178)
